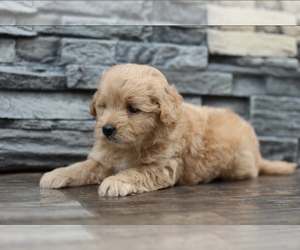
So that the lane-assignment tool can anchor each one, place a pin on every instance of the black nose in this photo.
(108, 130)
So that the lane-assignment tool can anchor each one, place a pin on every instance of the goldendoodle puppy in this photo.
(148, 139)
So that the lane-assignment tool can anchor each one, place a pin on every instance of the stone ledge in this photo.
(31, 105)
(178, 13)
(139, 11)
(217, 15)
(38, 20)
(68, 19)
(251, 44)
(19, 77)
(7, 19)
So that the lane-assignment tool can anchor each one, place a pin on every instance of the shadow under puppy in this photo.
(148, 139)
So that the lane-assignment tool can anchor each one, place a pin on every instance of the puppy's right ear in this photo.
(93, 111)
(93, 105)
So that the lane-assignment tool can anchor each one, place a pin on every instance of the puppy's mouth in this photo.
(118, 141)
(112, 139)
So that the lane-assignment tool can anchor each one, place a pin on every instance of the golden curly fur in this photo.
(154, 140)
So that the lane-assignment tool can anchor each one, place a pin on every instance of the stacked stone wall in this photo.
(49, 73)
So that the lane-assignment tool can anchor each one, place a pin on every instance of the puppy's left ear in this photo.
(170, 103)
(93, 105)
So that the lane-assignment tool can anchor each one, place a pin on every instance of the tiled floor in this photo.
(209, 215)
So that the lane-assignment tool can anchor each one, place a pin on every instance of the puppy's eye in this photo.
(103, 105)
(132, 110)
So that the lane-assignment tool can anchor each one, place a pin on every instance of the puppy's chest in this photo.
(125, 163)
(122, 165)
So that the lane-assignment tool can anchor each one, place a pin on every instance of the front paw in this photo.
(113, 186)
(57, 178)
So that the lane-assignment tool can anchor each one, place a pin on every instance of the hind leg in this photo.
(244, 166)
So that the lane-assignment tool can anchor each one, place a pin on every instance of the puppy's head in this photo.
(134, 104)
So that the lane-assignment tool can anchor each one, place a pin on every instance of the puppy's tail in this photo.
(267, 167)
